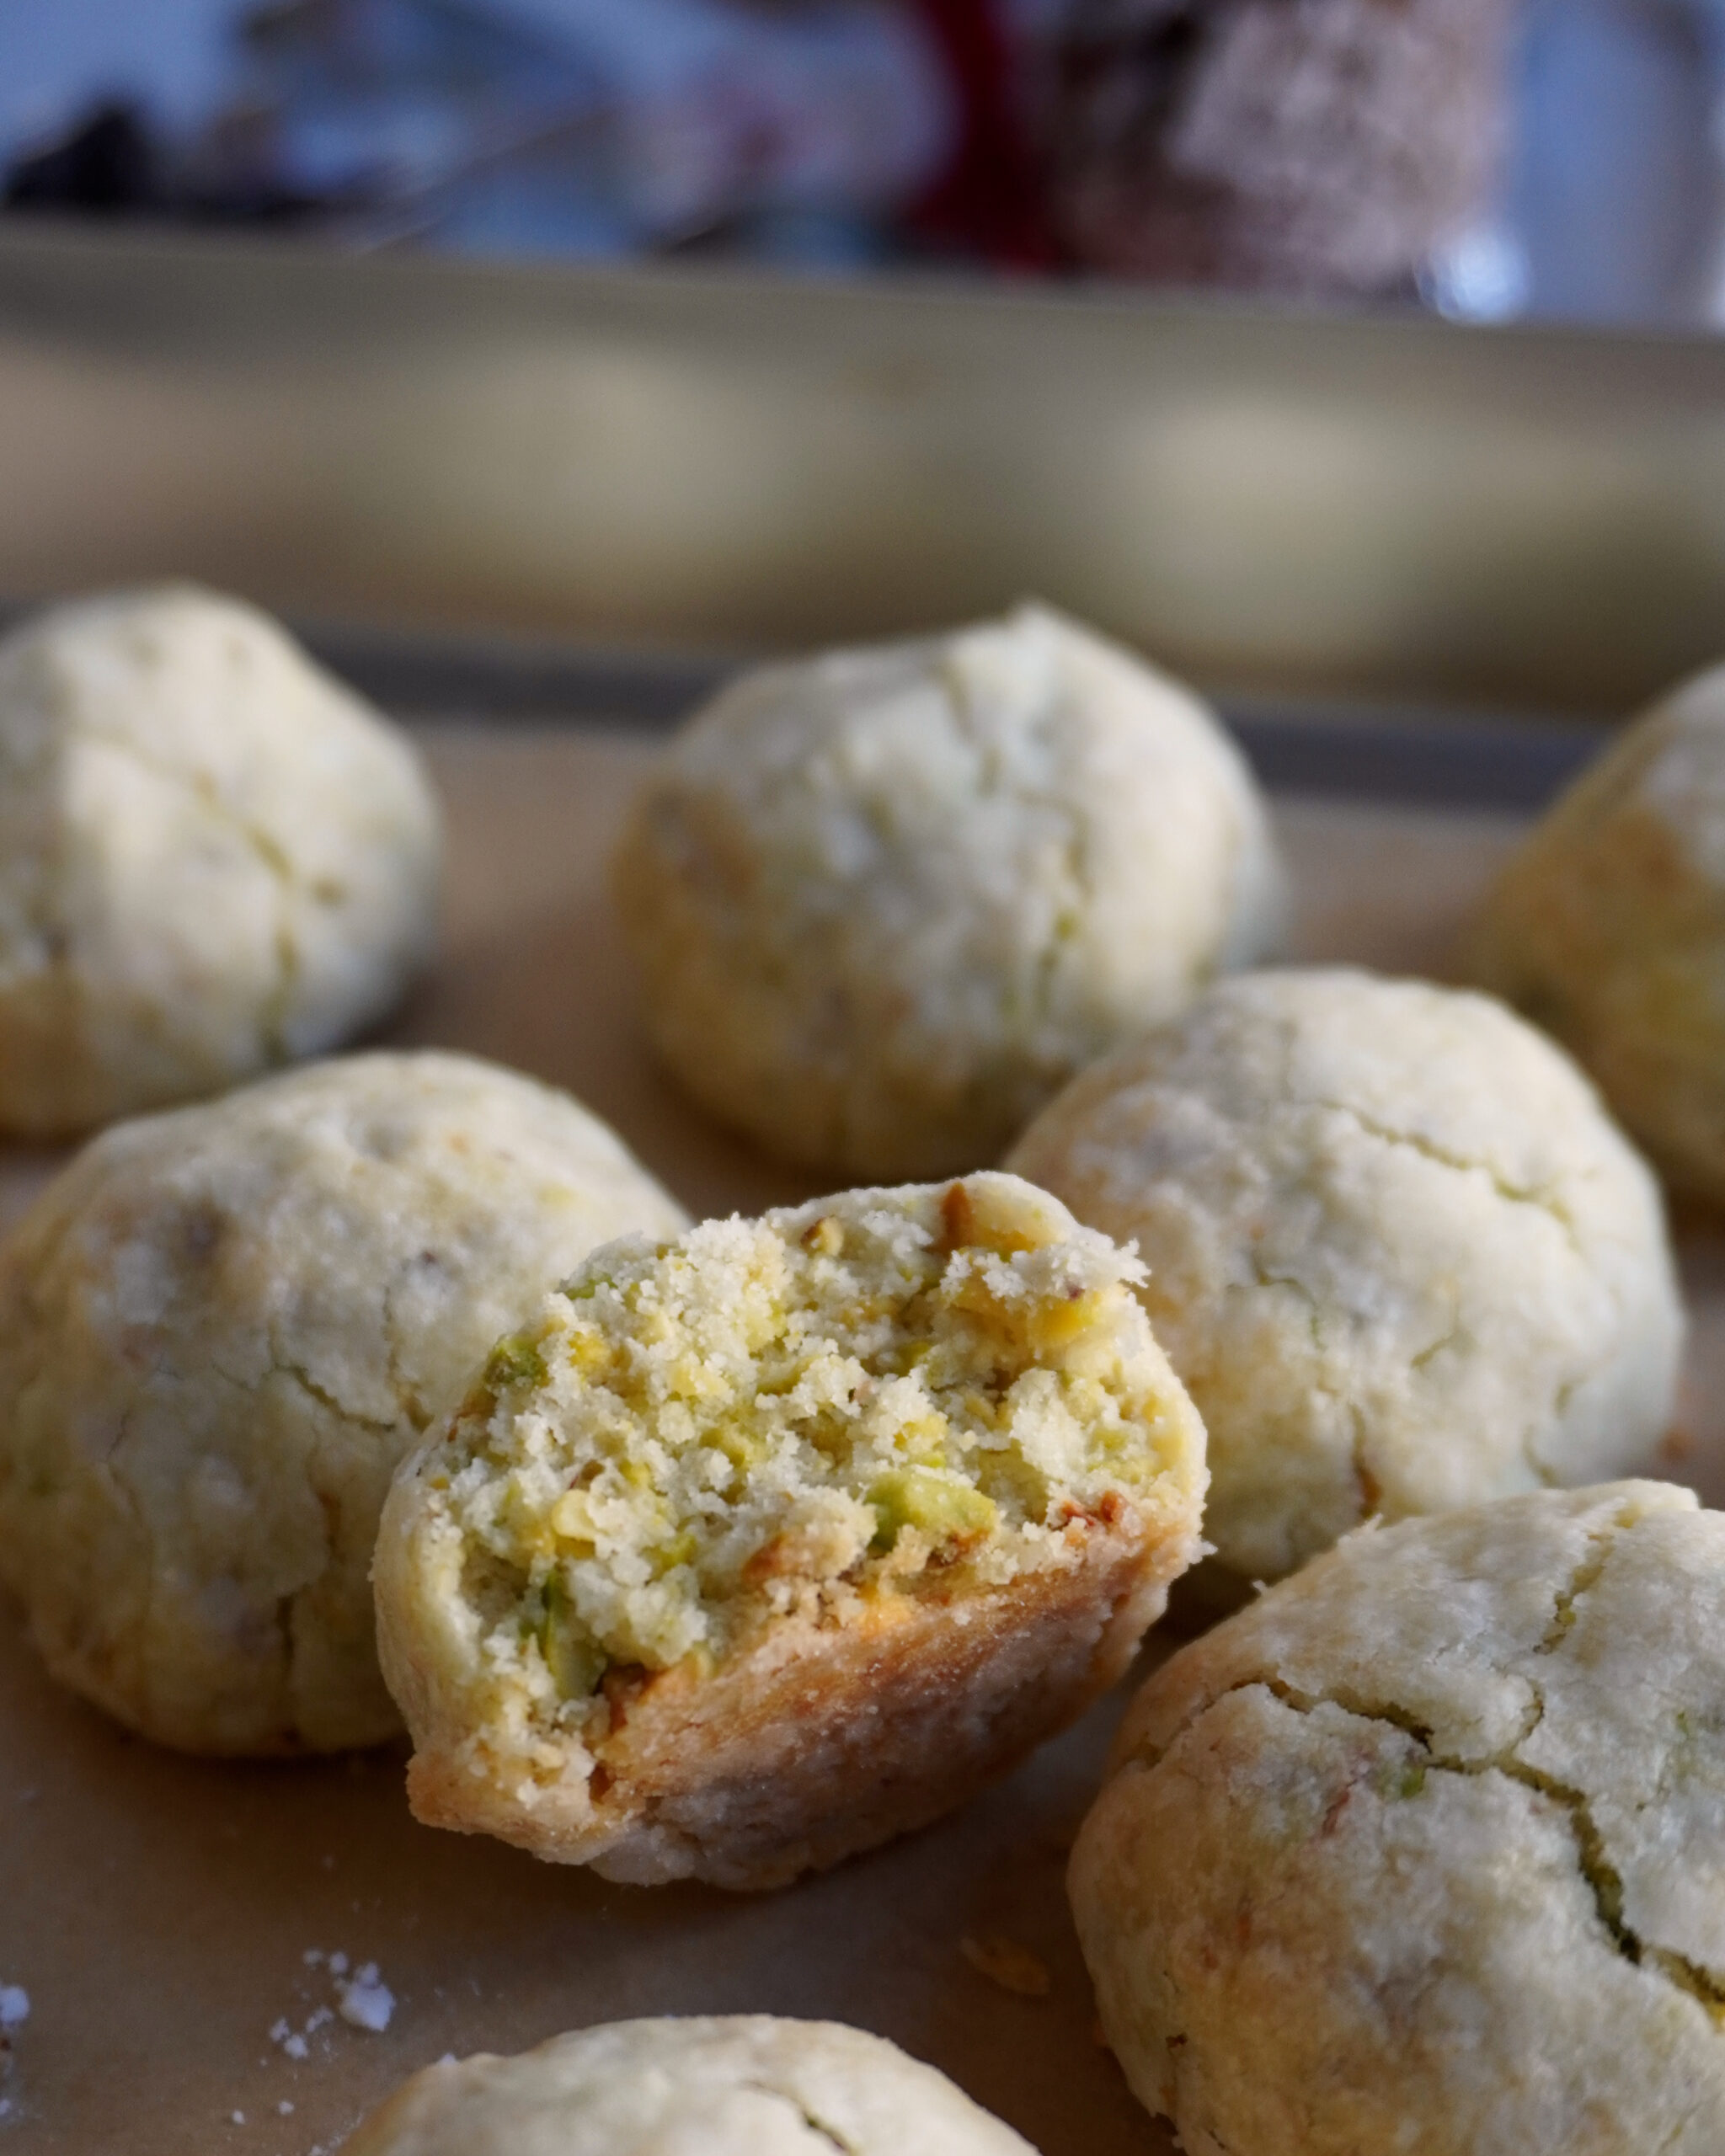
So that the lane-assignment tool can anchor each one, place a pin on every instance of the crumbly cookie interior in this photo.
(863, 1395)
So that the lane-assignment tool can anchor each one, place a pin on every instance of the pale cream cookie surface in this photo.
(739, 2085)
(887, 900)
(756, 1549)
(1608, 929)
(214, 857)
(1422, 1851)
(220, 1328)
(1398, 1251)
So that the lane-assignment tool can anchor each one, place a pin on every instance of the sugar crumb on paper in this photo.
(362, 1999)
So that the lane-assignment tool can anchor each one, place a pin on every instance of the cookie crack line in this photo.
(1674, 2139)
(1367, 1486)
(1585, 1575)
(1456, 1330)
(113, 1467)
(1063, 935)
(817, 2127)
(1540, 1196)
(297, 1375)
(411, 1407)
(1599, 1874)
(273, 1014)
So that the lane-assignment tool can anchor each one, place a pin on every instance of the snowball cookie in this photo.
(1608, 929)
(220, 1328)
(886, 901)
(758, 1549)
(213, 857)
(746, 2084)
(1425, 1850)
(1395, 1249)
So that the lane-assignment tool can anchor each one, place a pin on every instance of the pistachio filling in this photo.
(916, 1391)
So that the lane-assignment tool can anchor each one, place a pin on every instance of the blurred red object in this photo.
(989, 197)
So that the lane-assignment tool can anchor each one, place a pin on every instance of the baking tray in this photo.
(159, 1910)
(1381, 505)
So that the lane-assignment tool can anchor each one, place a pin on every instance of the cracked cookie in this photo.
(1422, 1851)
(220, 1330)
(741, 2086)
(758, 1547)
(213, 857)
(1398, 1251)
(888, 900)
(1608, 928)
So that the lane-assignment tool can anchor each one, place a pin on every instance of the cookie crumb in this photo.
(1005, 1962)
(367, 2002)
(14, 2006)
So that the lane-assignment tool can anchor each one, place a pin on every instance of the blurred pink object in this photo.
(1304, 145)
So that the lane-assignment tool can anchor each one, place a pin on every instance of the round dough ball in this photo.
(213, 857)
(888, 900)
(746, 2084)
(1397, 1251)
(220, 1328)
(1424, 1851)
(755, 1550)
(1608, 929)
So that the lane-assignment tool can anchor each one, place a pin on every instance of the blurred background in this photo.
(1360, 352)
(1489, 160)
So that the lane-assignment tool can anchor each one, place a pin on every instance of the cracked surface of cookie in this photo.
(1608, 928)
(1422, 1851)
(220, 1330)
(888, 900)
(213, 857)
(1398, 1251)
(741, 2086)
(755, 1549)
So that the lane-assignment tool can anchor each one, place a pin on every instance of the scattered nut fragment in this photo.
(1005, 1962)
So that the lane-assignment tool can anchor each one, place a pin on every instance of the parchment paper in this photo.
(159, 1910)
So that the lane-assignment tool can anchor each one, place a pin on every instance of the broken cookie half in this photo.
(763, 1545)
